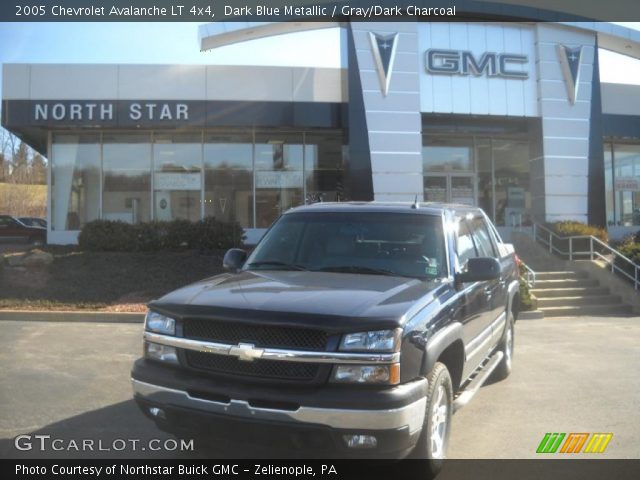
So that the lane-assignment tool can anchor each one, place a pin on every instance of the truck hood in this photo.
(305, 296)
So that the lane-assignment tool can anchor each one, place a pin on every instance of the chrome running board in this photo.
(479, 377)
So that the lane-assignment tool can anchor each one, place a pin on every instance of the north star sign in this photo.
(462, 62)
(105, 111)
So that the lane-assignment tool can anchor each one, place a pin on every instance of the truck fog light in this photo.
(360, 441)
(157, 412)
(163, 353)
(380, 374)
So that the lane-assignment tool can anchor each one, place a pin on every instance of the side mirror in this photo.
(234, 259)
(480, 269)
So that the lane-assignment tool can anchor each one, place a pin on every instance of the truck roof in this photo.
(425, 208)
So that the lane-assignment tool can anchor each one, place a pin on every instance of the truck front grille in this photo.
(273, 369)
(264, 336)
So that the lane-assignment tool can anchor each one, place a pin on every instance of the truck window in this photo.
(410, 245)
(482, 238)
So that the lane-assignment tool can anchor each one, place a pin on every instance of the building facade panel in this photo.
(476, 113)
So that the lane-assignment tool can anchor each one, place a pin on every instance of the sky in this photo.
(177, 43)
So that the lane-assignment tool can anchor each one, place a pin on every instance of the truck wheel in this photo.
(36, 242)
(434, 438)
(505, 346)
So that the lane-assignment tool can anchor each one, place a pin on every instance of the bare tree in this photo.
(22, 191)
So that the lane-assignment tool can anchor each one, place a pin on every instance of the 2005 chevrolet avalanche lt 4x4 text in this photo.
(352, 328)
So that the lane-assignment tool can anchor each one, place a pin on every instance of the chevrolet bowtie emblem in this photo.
(246, 352)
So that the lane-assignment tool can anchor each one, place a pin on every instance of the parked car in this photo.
(33, 221)
(349, 330)
(13, 230)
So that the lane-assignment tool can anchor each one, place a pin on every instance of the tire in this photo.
(434, 438)
(36, 242)
(503, 370)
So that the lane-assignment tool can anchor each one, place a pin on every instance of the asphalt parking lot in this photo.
(71, 381)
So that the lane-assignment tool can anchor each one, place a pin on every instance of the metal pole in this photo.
(570, 248)
(550, 242)
(591, 248)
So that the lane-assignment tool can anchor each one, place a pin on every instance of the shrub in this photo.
(207, 234)
(631, 250)
(571, 228)
(108, 236)
(211, 234)
(178, 234)
(525, 302)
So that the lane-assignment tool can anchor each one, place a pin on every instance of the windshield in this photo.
(409, 245)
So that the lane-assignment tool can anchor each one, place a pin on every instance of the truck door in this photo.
(476, 319)
(495, 290)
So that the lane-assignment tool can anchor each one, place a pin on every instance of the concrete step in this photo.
(561, 274)
(579, 301)
(569, 292)
(570, 311)
(566, 283)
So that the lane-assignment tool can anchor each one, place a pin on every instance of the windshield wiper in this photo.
(359, 269)
(276, 263)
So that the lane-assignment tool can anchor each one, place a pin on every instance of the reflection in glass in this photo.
(323, 167)
(278, 175)
(177, 178)
(624, 182)
(127, 178)
(511, 172)
(435, 188)
(228, 183)
(444, 155)
(75, 181)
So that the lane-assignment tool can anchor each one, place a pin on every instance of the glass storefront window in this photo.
(278, 174)
(323, 167)
(445, 155)
(512, 197)
(228, 181)
(622, 184)
(177, 178)
(126, 163)
(229, 174)
(485, 176)
(75, 180)
(492, 173)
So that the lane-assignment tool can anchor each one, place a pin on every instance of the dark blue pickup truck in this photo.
(352, 328)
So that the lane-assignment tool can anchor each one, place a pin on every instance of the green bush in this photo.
(525, 301)
(631, 250)
(207, 234)
(213, 234)
(108, 236)
(571, 228)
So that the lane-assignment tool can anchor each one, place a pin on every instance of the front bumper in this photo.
(189, 401)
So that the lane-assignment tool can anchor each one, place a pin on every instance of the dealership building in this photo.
(508, 116)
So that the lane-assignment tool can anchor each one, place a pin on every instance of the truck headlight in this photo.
(371, 374)
(157, 323)
(378, 341)
(162, 353)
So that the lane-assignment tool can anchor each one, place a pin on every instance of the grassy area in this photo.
(23, 200)
(110, 281)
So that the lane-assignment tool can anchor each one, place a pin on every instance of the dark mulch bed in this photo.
(116, 281)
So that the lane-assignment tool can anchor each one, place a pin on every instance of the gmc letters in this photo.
(459, 62)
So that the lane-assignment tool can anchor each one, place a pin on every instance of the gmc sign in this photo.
(461, 62)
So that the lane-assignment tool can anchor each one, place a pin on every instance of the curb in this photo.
(71, 316)
(531, 315)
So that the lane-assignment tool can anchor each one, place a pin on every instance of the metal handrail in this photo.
(529, 276)
(593, 254)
